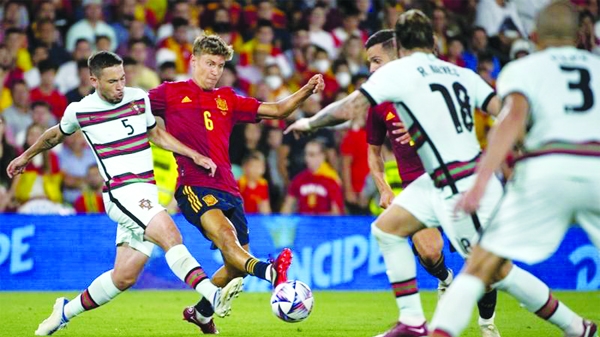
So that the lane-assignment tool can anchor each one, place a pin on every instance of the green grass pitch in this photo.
(158, 313)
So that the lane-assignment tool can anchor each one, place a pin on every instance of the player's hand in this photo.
(400, 133)
(17, 166)
(205, 162)
(469, 201)
(386, 198)
(316, 84)
(299, 128)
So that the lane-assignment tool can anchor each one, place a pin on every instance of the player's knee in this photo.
(429, 254)
(124, 281)
(385, 240)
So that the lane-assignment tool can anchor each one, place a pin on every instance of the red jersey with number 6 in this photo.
(203, 120)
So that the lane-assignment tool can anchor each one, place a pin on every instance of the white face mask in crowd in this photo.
(343, 79)
(321, 65)
(273, 82)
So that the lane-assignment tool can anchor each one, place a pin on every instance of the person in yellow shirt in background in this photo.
(165, 174)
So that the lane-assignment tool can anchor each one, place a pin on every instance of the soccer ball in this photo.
(292, 301)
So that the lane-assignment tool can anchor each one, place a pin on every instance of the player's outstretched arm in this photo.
(356, 104)
(502, 137)
(49, 139)
(166, 141)
(283, 108)
(376, 166)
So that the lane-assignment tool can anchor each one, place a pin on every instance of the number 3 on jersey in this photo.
(208, 123)
(583, 85)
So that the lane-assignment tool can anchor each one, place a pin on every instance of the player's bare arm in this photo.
(166, 141)
(502, 138)
(376, 166)
(49, 139)
(283, 108)
(494, 106)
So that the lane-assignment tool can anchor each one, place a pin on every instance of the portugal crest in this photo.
(136, 108)
(145, 203)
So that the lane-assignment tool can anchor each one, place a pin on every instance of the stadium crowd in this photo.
(278, 44)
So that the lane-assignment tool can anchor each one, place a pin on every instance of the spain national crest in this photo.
(221, 104)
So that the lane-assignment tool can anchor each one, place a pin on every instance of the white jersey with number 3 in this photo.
(564, 112)
(436, 101)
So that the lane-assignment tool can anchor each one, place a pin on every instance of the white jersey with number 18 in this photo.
(436, 101)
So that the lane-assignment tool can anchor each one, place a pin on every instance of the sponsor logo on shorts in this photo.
(145, 203)
(209, 200)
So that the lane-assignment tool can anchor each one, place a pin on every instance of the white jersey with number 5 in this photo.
(436, 101)
(564, 113)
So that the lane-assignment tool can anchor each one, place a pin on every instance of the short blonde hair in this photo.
(212, 45)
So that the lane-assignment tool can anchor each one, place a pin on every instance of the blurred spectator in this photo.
(479, 44)
(131, 74)
(254, 188)
(291, 153)
(455, 52)
(222, 25)
(18, 115)
(16, 43)
(296, 55)
(46, 10)
(5, 94)
(272, 138)
(263, 10)
(314, 191)
(263, 39)
(125, 15)
(32, 77)
(492, 15)
(14, 15)
(181, 9)
(321, 64)
(103, 42)
(47, 91)
(66, 76)
(369, 19)
(353, 52)
(90, 201)
(391, 10)
(333, 16)
(41, 178)
(179, 45)
(147, 78)
(74, 158)
(586, 38)
(167, 72)
(521, 48)
(528, 11)
(242, 146)
(342, 73)
(278, 89)
(355, 166)
(252, 73)
(233, 8)
(85, 84)
(439, 22)
(47, 36)
(349, 27)
(7, 153)
(317, 35)
(41, 115)
(91, 26)
(229, 79)
(10, 71)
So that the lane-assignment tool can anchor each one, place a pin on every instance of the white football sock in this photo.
(185, 266)
(101, 291)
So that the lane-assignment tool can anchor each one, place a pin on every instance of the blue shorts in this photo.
(195, 201)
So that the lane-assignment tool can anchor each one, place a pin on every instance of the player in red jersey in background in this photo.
(383, 121)
(202, 117)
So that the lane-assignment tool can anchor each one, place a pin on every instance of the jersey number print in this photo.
(584, 86)
(462, 97)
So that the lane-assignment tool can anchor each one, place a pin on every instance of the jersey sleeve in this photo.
(245, 109)
(68, 123)
(375, 127)
(379, 89)
(150, 120)
(510, 81)
(483, 92)
(158, 100)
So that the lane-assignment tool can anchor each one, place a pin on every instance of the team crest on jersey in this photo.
(145, 203)
(221, 105)
(209, 200)
(136, 108)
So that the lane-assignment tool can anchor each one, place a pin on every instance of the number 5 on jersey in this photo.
(208, 123)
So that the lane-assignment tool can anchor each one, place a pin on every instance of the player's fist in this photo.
(299, 127)
(16, 166)
(316, 84)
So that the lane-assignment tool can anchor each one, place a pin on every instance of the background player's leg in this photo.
(428, 244)
(391, 230)
(162, 231)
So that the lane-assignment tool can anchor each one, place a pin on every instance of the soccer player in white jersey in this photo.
(435, 100)
(117, 123)
(552, 94)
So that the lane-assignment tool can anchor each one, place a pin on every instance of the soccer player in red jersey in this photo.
(383, 121)
(202, 117)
